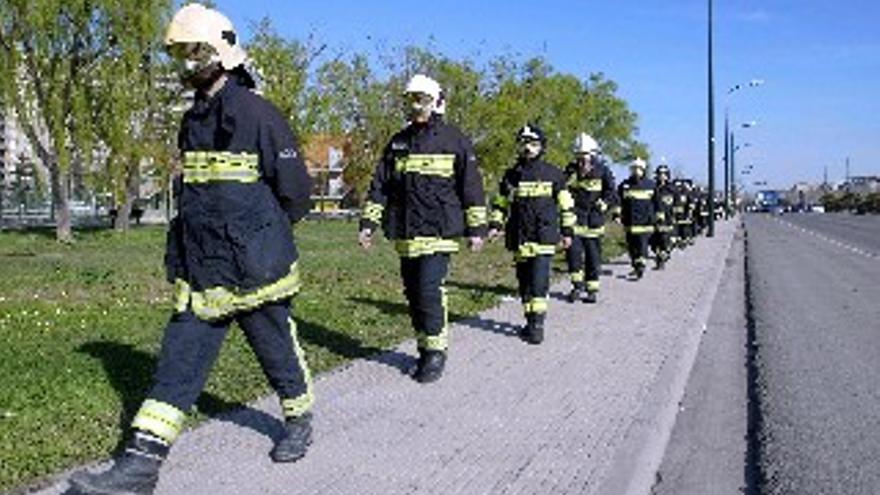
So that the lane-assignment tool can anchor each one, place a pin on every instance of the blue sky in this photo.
(820, 60)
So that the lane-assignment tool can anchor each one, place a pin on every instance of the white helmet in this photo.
(422, 84)
(639, 163)
(584, 144)
(197, 24)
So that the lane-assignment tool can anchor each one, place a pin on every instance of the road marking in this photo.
(836, 242)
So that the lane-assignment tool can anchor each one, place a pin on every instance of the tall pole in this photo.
(726, 164)
(733, 170)
(711, 160)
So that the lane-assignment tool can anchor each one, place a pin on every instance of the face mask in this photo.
(196, 63)
(419, 106)
(530, 149)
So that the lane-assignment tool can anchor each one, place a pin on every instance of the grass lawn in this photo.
(81, 324)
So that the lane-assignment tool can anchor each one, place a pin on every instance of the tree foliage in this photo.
(94, 92)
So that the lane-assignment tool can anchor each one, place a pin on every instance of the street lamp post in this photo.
(728, 176)
(733, 149)
(711, 227)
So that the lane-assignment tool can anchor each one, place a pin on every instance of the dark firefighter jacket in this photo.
(231, 246)
(594, 193)
(536, 205)
(427, 190)
(638, 212)
(664, 201)
(683, 205)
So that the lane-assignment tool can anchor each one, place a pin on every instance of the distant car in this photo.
(861, 210)
(817, 209)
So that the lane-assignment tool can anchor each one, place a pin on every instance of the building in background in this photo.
(325, 159)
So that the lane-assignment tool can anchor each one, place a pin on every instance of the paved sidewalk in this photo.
(589, 411)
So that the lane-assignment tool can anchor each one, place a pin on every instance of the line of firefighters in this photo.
(232, 255)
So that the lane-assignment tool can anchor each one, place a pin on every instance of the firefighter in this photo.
(591, 184)
(636, 195)
(231, 252)
(703, 210)
(426, 192)
(534, 207)
(693, 212)
(682, 208)
(664, 199)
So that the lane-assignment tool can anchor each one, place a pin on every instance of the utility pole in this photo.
(711, 161)
(726, 165)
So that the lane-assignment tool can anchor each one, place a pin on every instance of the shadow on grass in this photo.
(130, 372)
(497, 289)
(350, 348)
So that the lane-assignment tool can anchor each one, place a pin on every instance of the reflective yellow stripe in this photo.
(565, 200)
(678, 209)
(578, 276)
(534, 190)
(568, 219)
(591, 185)
(664, 228)
(638, 194)
(602, 205)
(436, 165)
(537, 305)
(661, 217)
(202, 167)
(422, 246)
(584, 231)
(373, 212)
(297, 406)
(161, 419)
(640, 229)
(593, 286)
(476, 216)
(181, 296)
(217, 302)
(532, 249)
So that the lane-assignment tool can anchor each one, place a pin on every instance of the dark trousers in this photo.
(191, 345)
(685, 232)
(637, 245)
(584, 259)
(423, 279)
(533, 275)
(661, 243)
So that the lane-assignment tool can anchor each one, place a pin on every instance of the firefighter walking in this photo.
(535, 209)
(664, 201)
(230, 252)
(592, 187)
(426, 192)
(682, 208)
(637, 214)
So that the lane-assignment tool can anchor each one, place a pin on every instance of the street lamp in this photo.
(733, 149)
(711, 131)
(728, 174)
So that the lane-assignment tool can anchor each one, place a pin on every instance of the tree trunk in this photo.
(122, 222)
(61, 205)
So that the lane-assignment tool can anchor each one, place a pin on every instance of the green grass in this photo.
(80, 326)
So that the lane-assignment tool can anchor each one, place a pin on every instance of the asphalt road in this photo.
(815, 294)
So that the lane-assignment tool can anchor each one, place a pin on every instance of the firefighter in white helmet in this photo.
(231, 252)
(426, 192)
(591, 184)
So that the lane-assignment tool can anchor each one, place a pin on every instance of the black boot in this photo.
(296, 440)
(135, 472)
(537, 333)
(431, 364)
(591, 297)
(574, 295)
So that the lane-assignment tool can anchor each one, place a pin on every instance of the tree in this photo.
(133, 100)
(58, 60)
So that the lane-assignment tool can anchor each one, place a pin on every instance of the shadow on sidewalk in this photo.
(130, 372)
(350, 348)
(393, 308)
